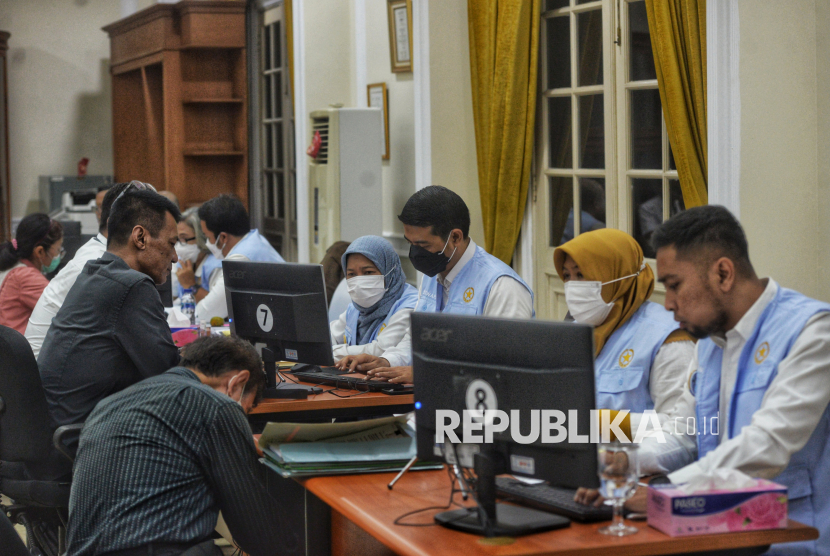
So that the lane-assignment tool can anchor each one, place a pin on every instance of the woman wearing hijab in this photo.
(642, 357)
(378, 316)
(36, 250)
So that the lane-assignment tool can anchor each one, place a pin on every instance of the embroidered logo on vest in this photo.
(762, 353)
(626, 357)
(382, 328)
(469, 293)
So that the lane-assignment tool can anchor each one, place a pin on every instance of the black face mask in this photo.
(428, 262)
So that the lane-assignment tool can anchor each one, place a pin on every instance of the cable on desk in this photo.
(453, 492)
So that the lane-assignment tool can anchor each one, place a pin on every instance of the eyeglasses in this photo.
(184, 241)
(138, 186)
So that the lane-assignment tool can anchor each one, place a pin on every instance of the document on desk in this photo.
(279, 433)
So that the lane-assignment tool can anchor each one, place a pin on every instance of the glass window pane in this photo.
(556, 4)
(267, 97)
(559, 129)
(592, 204)
(591, 132)
(266, 46)
(269, 146)
(585, 1)
(647, 203)
(269, 194)
(277, 43)
(676, 203)
(559, 52)
(277, 94)
(646, 130)
(561, 209)
(589, 45)
(278, 146)
(280, 187)
(641, 57)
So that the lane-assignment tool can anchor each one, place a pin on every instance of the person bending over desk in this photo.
(159, 460)
(461, 277)
(762, 368)
(55, 293)
(111, 331)
(378, 316)
(225, 222)
(641, 354)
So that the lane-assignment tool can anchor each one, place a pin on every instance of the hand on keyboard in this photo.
(589, 497)
(395, 375)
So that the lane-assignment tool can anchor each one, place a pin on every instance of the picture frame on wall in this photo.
(400, 35)
(378, 97)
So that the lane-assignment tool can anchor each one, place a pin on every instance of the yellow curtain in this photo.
(289, 42)
(504, 46)
(678, 39)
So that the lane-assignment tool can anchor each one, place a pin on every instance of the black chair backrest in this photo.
(25, 428)
(9, 539)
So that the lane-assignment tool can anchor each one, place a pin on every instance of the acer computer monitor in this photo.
(521, 367)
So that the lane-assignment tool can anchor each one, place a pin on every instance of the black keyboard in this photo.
(331, 376)
(551, 499)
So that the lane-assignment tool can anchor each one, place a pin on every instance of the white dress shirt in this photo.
(791, 408)
(389, 337)
(52, 298)
(508, 298)
(214, 304)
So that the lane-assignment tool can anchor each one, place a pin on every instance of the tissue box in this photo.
(678, 513)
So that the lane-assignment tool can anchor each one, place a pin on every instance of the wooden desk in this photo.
(327, 406)
(362, 504)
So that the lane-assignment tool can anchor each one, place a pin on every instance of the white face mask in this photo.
(584, 299)
(187, 252)
(239, 401)
(214, 249)
(365, 291)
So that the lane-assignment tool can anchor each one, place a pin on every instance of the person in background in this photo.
(197, 268)
(99, 203)
(170, 196)
(333, 271)
(53, 296)
(158, 461)
(36, 250)
(461, 277)
(641, 354)
(112, 331)
(378, 316)
(229, 236)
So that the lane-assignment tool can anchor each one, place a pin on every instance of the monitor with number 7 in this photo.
(281, 306)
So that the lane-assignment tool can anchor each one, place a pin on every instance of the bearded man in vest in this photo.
(759, 384)
(460, 277)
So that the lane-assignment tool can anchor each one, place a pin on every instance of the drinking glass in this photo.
(618, 473)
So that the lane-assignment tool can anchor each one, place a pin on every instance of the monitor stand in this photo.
(490, 519)
(282, 390)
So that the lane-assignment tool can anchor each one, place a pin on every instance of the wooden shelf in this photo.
(238, 101)
(212, 153)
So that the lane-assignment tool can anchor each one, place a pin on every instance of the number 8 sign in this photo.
(264, 318)
(481, 397)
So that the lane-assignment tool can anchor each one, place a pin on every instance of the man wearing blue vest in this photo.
(229, 236)
(460, 277)
(759, 385)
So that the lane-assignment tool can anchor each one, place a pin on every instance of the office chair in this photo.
(35, 462)
(10, 540)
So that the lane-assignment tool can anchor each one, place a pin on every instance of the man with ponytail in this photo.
(36, 250)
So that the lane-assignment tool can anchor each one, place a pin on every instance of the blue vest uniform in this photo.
(256, 248)
(807, 477)
(407, 301)
(471, 286)
(210, 264)
(623, 367)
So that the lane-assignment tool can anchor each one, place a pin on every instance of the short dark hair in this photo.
(708, 229)
(113, 191)
(137, 207)
(225, 213)
(217, 355)
(32, 231)
(438, 208)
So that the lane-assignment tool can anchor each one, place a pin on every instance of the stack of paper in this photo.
(373, 446)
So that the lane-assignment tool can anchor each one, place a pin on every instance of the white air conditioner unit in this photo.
(344, 180)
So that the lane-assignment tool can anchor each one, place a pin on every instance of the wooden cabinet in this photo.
(5, 189)
(179, 98)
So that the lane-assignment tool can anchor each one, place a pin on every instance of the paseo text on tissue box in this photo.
(678, 513)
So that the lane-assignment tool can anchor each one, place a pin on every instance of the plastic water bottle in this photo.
(189, 305)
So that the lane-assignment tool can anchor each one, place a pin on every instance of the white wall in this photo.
(60, 107)
(781, 155)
